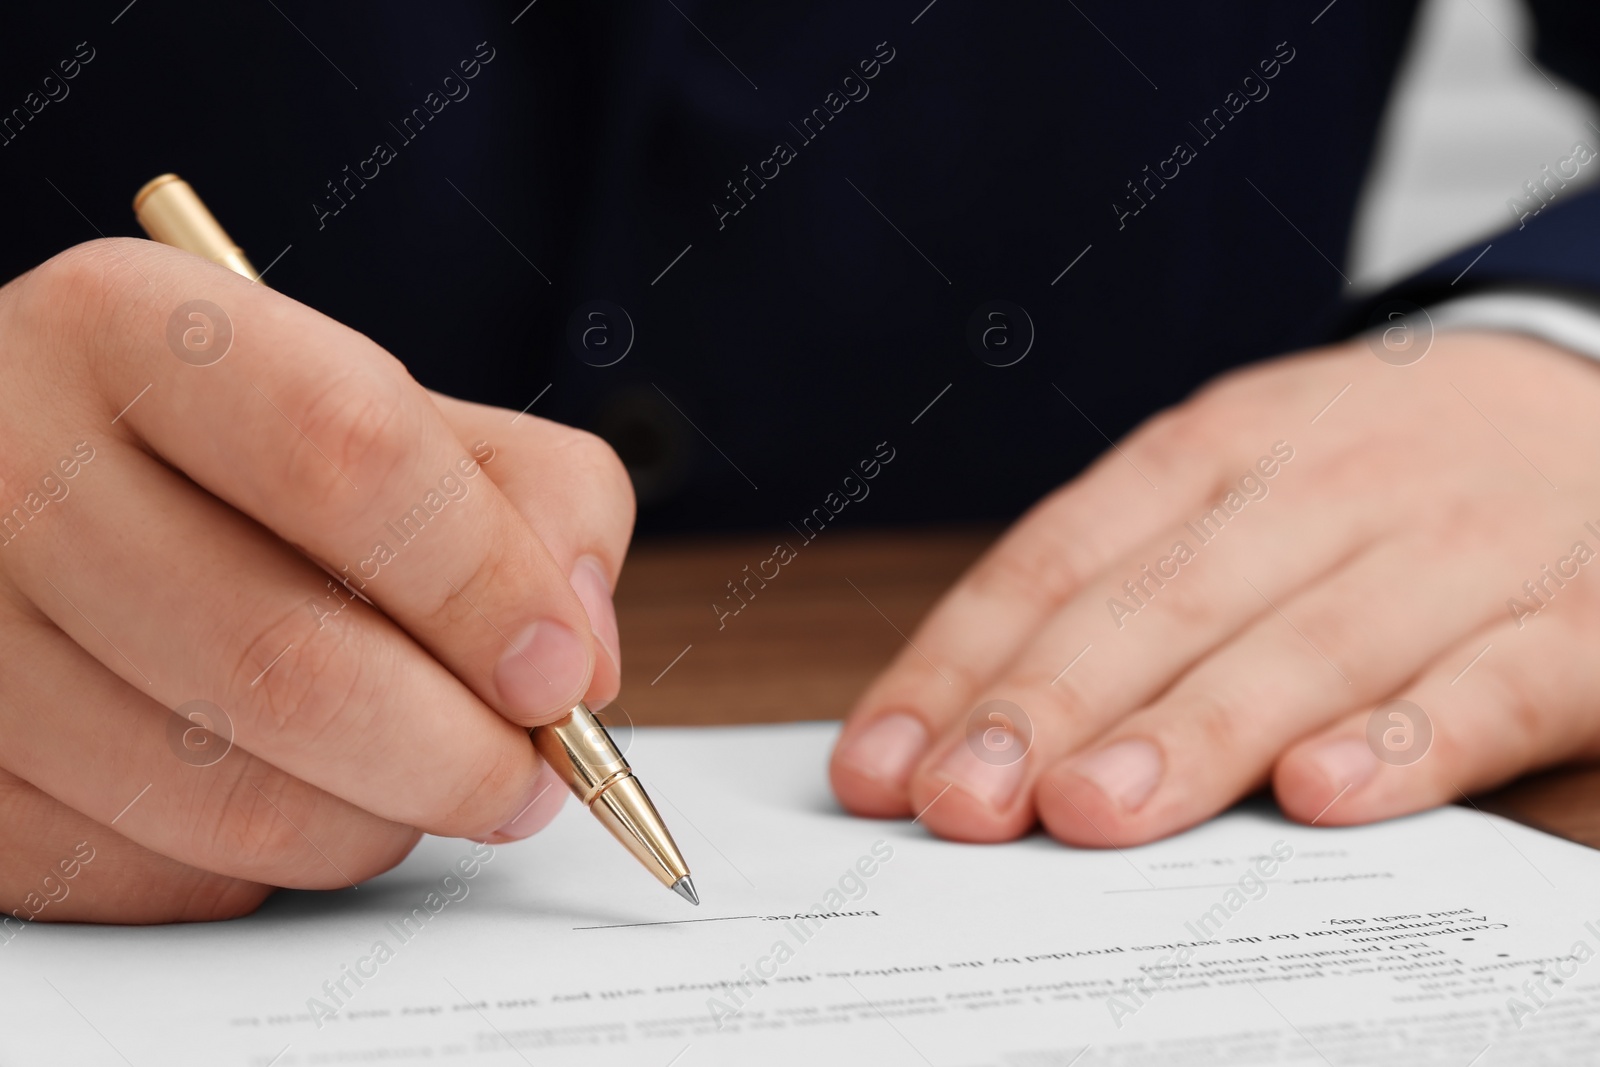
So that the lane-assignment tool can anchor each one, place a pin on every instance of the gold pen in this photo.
(577, 747)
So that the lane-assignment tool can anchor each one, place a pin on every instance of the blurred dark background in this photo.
(772, 350)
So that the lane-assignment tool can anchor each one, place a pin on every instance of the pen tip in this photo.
(685, 889)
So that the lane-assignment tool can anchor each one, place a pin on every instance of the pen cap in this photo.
(581, 752)
(172, 213)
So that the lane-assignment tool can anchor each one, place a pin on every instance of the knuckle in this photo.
(376, 854)
(1530, 725)
(76, 296)
(590, 453)
(253, 831)
(1524, 725)
(1008, 574)
(83, 277)
(907, 685)
(364, 855)
(1220, 719)
(1177, 433)
(947, 668)
(1068, 700)
(354, 427)
(306, 684)
(598, 467)
(1459, 527)
(1351, 472)
(1182, 442)
(484, 798)
(1042, 564)
(212, 897)
(1341, 633)
(276, 829)
(1232, 386)
(1192, 607)
(451, 607)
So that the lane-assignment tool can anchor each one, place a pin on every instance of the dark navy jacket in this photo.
(751, 244)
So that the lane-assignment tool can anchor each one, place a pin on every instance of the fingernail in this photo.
(1347, 762)
(888, 749)
(543, 802)
(589, 581)
(994, 785)
(1126, 772)
(546, 669)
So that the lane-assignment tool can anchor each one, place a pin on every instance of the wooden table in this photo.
(805, 645)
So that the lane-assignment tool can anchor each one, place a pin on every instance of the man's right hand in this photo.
(173, 502)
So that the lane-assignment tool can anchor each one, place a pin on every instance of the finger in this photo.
(1500, 703)
(1214, 736)
(980, 624)
(573, 490)
(320, 435)
(185, 599)
(1185, 611)
(91, 741)
(61, 866)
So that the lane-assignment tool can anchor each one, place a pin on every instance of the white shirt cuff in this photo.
(1571, 321)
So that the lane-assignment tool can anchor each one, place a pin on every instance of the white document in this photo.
(1451, 938)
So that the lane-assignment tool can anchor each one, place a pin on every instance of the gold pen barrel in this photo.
(172, 213)
(586, 758)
